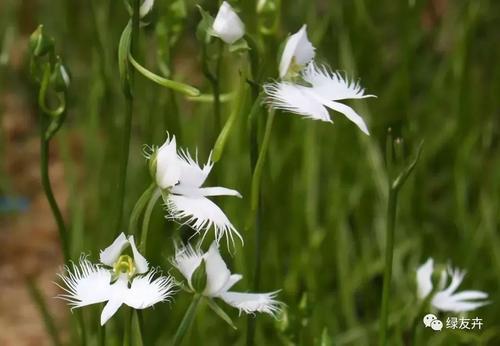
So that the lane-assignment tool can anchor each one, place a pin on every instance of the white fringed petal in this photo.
(424, 278)
(146, 291)
(109, 255)
(191, 173)
(446, 299)
(253, 302)
(140, 262)
(217, 272)
(201, 214)
(146, 7)
(332, 85)
(294, 98)
(186, 260)
(85, 284)
(227, 25)
(298, 48)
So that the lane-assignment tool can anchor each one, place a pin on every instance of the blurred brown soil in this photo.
(29, 238)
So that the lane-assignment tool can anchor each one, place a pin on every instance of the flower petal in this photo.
(186, 260)
(294, 99)
(227, 25)
(298, 48)
(192, 175)
(253, 302)
(332, 85)
(109, 255)
(445, 302)
(233, 279)
(145, 292)
(140, 262)
(341, 108)
(201, 214)
(457, 276)
(168, 169)
(85, 284)
(218, 191)
(217, 272)
(424, 278)
(146, 7)
(110, 309)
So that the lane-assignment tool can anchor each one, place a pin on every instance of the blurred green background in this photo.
(434, 65)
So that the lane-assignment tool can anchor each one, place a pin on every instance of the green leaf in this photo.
(199, 277)
(123, 51)
(215, 308)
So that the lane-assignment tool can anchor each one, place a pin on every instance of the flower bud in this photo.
(39, 43)
(199, 278)
(60, 77)
(227, 25)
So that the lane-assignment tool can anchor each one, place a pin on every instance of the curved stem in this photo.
(167, 83)
(147, 218)
(47, 188)
(187, 321)
(139, 207)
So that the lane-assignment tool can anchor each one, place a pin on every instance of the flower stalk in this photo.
(395, 185)
(147, 217)
(187, 320)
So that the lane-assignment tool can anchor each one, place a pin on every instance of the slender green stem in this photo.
(257, 165)
(389, 254)
(257, 174)
(127, 126)
(147, 218)
(187, 320)
(139, 207)
(127, 327)
(47, 188)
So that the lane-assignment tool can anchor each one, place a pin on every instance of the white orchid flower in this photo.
(227, 25)
(181, 178)
(445, 299)
(325, 88)
(219, 280)
(297, 53)
(126, 281)
(146, 7)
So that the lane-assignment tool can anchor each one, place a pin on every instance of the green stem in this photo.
(187, 320)
(127, 328)
(167, 83)
(44, 171)
(389, 254)
(139, 207)
(147, 218)
(257, 174)
(257, 164)
(127, 127)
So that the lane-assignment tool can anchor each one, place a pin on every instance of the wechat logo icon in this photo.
(430, 320)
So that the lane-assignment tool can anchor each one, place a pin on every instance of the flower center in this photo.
(124, 265)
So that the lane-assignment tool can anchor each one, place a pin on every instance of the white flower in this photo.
(227, 25)
(127, 282)
(445, 299)
(325, 88)
(219, 280)
(146, 7)
(297, 53)
(181, 177)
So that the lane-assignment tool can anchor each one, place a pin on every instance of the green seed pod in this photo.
(40, 44)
